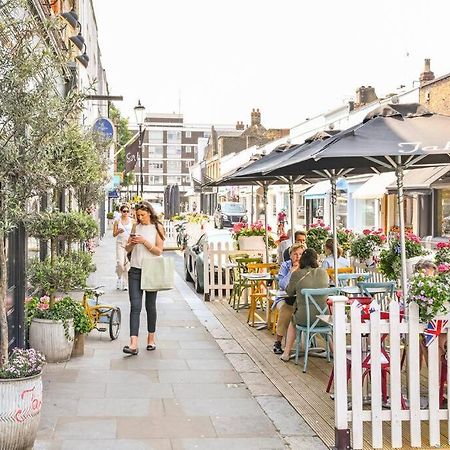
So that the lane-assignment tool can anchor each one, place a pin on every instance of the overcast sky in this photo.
(291, 59)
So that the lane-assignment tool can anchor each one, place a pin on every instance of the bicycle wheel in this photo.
(114, 323)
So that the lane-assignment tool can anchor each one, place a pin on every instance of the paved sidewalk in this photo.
(187, 394)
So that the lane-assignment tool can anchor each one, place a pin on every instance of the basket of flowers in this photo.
(252, 237)
(316, 236)
(366, 246)
(443, 253)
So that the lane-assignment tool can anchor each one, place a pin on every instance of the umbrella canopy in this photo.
(391, 137)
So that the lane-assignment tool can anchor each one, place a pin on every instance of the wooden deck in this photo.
(305, 391)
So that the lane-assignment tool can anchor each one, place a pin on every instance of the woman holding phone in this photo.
(146, 239)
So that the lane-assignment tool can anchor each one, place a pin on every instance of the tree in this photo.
(33, 116)
(123, 135)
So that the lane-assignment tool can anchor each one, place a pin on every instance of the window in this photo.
(173, 180)
(156, 151)
(188, 134)
(156, 137)
(174, 137)
(188, 164)
(173, 166)
(173, 150)
(155, 166)
(188, 149)
(443, 210)
(155, 179)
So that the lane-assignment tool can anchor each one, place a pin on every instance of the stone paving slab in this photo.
(195, 391)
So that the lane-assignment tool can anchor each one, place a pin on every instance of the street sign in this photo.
(104, 127)
(113, 194)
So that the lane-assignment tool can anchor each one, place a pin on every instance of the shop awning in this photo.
(420, 179)
(374, 187)
(322, 188)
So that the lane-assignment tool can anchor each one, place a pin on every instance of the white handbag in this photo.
(157, 273)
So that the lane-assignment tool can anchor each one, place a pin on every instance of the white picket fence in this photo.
(406, 402)
(171, 235)
(218, 282)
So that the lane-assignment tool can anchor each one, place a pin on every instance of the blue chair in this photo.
(379, 290)
(347, 282)
(313, 309)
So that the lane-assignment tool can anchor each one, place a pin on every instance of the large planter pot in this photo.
(251, 243)
(48, 337)
(20, 412)
(78, 344)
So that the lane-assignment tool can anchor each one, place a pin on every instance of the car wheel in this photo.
(187, 275)
(198, 288)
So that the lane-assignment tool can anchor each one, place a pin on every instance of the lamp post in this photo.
(139, 112)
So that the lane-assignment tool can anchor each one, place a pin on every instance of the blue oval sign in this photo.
(105, 127)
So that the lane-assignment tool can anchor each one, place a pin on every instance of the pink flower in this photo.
(43, 306)
(366, 232)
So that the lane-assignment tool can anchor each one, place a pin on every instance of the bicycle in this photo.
(102, 316)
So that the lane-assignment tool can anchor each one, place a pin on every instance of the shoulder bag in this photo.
(157, 273)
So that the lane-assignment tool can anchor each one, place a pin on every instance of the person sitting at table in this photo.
(285, 304)
(299, 238)
(328, 262)
(309, 276)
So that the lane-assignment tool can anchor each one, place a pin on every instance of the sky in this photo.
(215, 60)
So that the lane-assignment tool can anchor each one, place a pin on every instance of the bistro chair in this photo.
(347, 282)
(259, 288)
(312, 328)
(330, 272)
(240, 284)
(379, 290)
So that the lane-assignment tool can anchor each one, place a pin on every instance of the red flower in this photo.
(366, 232)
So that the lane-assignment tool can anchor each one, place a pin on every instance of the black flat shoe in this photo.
(151, 347)
(130, 351)
(277, 348)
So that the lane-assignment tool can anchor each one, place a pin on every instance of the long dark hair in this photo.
(309, 258)
(146, 206)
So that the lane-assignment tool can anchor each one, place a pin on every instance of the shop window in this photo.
(443, 211)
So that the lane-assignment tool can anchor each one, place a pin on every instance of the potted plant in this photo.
(20, 398)
(366, 246)
(390, 260)
(443, 253)
(317, 235)
(252, 237)
(430, 292)
(345, 238)
(61, 321)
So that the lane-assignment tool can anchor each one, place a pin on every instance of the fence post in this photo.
(342, 433)
(206, 287)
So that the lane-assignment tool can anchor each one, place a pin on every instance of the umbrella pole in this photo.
(333, 180)
(252, 206)
(401, 220)
(291, 207)
(266, 234)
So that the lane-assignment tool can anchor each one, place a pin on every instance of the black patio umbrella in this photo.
(392, 137)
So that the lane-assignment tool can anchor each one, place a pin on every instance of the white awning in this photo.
(420, 179)
(322, 188)
(374, 187)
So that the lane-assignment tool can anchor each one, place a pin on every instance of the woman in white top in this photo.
(121, 231)
(328, 262)
(145, 240)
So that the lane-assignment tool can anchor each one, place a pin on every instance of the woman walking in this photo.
(146, 240)
(121, 231)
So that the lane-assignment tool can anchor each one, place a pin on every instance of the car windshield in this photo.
(233, 208)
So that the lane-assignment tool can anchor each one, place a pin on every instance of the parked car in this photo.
(193, 256)
(229, 213)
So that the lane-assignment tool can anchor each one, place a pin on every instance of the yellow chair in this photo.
(239, 283)
(258, 289)
(330, 272)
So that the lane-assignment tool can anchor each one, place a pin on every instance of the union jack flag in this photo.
(433, 330)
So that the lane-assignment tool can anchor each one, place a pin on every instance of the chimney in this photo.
(255, 117)
(351, 105)
(239, 125)
(427, 74)
(365, 95)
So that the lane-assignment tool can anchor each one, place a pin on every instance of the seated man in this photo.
(299, 238)
(285, 305)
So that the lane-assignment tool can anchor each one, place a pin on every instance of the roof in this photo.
(436, 80)
(374, 187)
(420, 179)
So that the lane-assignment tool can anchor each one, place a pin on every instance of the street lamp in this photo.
(139, 112)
